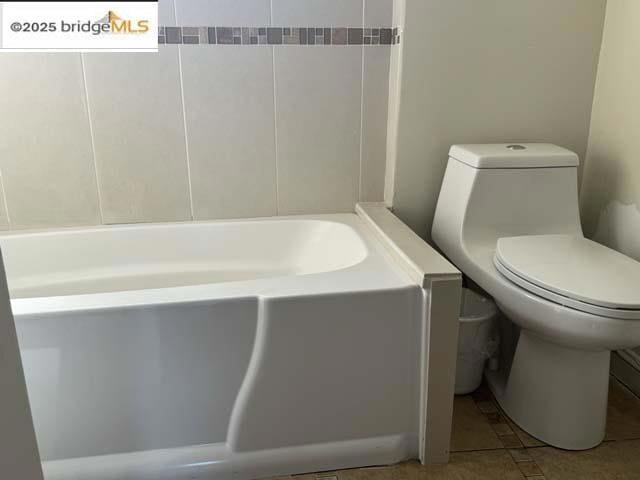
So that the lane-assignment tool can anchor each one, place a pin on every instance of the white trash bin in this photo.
(475, 344)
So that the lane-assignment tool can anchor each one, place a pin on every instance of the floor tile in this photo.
(366, 473)
(511, 441)
(623, 413)
(482, 393)
(487, 406)
(623, 417)
(520, 455)
(609, 461)
(529, 469)
(495, 417)
(502, 428)
(489, 465)
(374, 473)
(526, 439)
(471, 429)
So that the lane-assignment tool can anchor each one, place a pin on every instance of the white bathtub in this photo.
(236, 349)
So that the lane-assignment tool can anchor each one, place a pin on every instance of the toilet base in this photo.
(555, 393)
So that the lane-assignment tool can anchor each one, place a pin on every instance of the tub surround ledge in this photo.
(441, 284)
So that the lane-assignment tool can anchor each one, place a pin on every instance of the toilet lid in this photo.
(573, 267)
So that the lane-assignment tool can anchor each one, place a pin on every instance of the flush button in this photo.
(516, 147)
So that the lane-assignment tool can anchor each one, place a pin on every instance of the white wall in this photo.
(610, 195)
(489, 71)
(198, 131)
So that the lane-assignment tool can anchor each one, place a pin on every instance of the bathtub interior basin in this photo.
(123, 258)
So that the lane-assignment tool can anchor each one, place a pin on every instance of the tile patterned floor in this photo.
(487, 445)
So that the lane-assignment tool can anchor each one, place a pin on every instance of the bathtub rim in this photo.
(297, 246)
(326, 217)
(377, 270)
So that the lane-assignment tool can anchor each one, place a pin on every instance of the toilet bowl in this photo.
(507, 216)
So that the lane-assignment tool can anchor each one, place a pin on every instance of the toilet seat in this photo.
(572, 271)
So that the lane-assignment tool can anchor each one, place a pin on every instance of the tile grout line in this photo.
(275, 114)
(4, 198)
(184, 120)
(619, 380)
(186, 134)
(275, 129)
(527, 466)
(93, 140)
(361, 109)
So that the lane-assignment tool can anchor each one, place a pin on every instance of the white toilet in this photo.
(508, 217)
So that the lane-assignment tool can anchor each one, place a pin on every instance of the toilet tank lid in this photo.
(514, 155)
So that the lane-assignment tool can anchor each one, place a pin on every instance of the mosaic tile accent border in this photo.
(278, 36)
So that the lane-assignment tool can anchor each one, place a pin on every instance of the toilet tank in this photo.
(499, 190)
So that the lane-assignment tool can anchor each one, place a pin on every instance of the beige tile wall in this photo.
(222, 144)
(318, 160)
(374, 122)
(135, 107)
(46, 158)
(197, 132)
